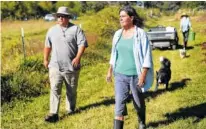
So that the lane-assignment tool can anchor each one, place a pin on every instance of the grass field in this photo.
(183, 106)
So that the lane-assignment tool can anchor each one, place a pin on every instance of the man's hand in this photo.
(47, 51)
(75, 62)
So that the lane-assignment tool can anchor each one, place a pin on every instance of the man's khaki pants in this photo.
(71, 81)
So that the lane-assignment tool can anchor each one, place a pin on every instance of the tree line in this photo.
(19, 10)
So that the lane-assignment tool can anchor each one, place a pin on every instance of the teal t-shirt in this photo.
(125, 63)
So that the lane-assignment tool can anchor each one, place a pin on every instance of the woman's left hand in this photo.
(142, 77)
(141, 81)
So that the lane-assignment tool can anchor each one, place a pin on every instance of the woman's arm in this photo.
(142, 77)
(147, 59)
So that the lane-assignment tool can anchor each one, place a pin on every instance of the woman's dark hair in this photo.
(131, 12)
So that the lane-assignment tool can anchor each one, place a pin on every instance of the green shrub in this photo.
(28, 81)
(104, 23)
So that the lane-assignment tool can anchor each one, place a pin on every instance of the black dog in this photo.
(164, 73)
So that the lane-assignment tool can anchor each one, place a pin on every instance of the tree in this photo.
(192, 4)
(46, 7)
(8, 9)
(83, 6)
(74, 6)
(96, 6)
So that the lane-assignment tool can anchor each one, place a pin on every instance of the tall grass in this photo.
(12, 42)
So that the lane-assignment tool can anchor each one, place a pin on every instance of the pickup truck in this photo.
(161, 37)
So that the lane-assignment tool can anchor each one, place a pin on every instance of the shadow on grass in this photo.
(173, 86)
(110, 100)
(105, 102)
(197, 111)
(187, 48)
(178, 47)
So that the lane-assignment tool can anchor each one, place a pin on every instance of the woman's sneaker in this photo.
(52, 118)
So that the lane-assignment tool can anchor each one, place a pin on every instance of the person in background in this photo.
(66, 43)
(132, 65)
(185, 26)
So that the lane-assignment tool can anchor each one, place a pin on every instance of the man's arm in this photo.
(77, 59)
(47, 51)
(181, 22)
(82, 44)
(190, 25)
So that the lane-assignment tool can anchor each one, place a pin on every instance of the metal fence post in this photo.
(22, 38)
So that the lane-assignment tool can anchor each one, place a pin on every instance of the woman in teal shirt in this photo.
(132, 65)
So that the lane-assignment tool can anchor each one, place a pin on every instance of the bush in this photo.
(29, 81)
(104, 23)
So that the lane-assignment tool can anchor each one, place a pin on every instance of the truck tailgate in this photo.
(161, 35)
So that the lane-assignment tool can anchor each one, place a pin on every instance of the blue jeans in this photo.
(123, 85)
(185, 35)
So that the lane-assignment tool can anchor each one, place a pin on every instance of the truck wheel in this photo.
(153, 47)
(174, 47)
